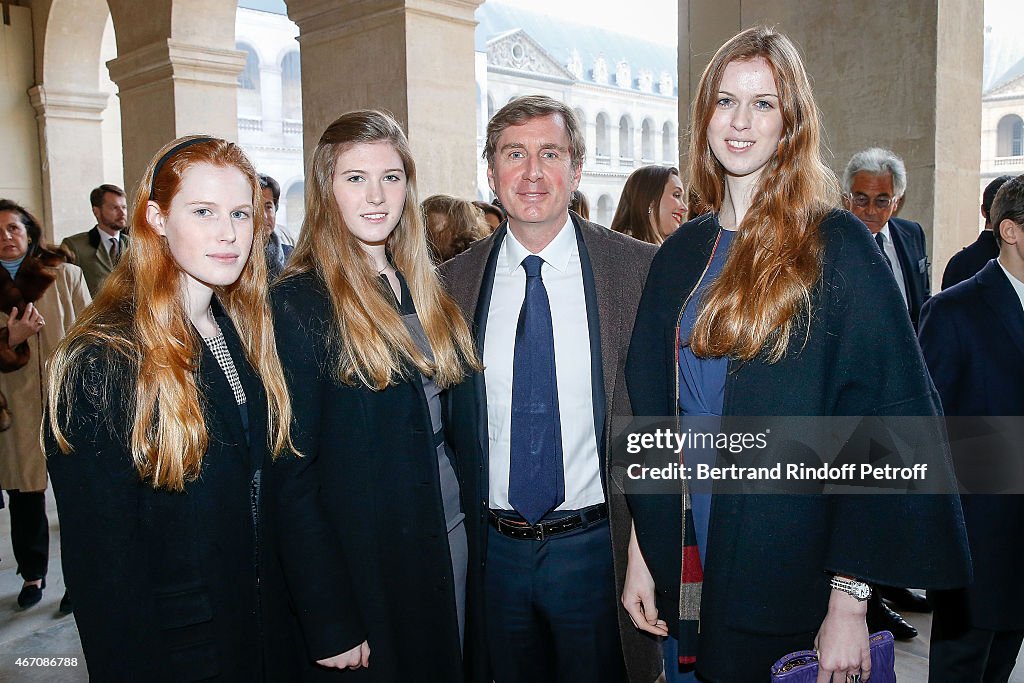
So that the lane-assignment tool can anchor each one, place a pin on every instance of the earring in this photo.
(650, 210)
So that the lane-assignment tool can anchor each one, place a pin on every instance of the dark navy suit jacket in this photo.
(908, 239)
(968, 261)
(972, 336)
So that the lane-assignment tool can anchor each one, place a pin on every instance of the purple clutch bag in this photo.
(802, 666)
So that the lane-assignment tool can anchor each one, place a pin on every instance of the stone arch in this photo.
(78, 120)
(1010, 136)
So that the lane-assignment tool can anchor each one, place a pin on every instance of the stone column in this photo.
(904, 76)
(171, 88)
(413, 58)
(71, 147)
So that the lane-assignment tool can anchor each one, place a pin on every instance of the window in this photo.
(668, 147)
(1010, 136)
(249, 83)
(647, 141)
(295, 208)
(604, 210)
(625, 141)
(604, 142)
(291, 87)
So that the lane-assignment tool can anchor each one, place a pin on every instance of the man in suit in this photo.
(98, 250)
(874, 183)
(278, 249)
(552, 299)
(972, 336)
(972, 258)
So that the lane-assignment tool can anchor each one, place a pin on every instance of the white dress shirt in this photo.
(562, 273)
(894, 258)
(1018, 286)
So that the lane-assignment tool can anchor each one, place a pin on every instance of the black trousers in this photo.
(961, 654)
(30, 533)
(551, 608)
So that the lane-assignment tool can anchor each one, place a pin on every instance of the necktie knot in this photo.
(532, 264)
(880, 238)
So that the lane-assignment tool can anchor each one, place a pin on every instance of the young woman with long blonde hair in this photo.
(373, 538)
(773, 302)
(166, 401)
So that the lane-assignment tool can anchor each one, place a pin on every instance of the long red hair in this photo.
(139, 315)
(775, 260)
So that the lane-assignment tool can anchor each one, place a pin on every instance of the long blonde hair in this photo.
(139, 315)
(775, 261)
(373, 344)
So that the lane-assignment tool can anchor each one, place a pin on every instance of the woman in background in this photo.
(652, 204)
(40, 297)
(769, 304)
(452, 225)
(373, 538)
(165, 402)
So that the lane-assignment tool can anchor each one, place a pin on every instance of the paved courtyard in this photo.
(42, 632)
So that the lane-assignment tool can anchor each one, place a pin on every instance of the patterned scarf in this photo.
(691, 582)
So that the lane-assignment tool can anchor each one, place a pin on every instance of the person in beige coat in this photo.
(40, 297)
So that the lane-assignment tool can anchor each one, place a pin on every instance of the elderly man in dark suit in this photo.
(874, 183)
(552, 299)
(968, 261)
(972, 336)
(98, 250)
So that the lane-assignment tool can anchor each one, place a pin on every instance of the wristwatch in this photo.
(857, 589)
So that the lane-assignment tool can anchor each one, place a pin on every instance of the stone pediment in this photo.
(517, 50)
(1014, 87)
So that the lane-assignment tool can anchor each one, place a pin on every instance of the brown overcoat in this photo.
(59, 291)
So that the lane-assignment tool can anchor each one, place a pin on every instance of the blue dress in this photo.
(701, 399)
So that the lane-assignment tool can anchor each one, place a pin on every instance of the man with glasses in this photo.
(874, 182)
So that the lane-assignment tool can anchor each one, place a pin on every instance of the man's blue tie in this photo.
(536, 481)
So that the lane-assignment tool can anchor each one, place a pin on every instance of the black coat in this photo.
(972, 336)
(165, 584)
(908, 239)
(362, 531)
(768, 559)
(968, 261)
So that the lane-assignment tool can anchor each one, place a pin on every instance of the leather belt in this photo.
(518, 527)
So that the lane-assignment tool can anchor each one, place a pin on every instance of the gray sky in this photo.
(655, 20)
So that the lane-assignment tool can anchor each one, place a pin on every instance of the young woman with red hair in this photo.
(774, 303)
(166, 400)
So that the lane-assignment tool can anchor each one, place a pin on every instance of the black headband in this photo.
(170, 153)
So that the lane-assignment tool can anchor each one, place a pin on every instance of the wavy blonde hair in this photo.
(775, 260)
(374, 346)
(140, 315)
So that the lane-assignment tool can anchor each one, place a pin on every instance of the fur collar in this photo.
(34, 277)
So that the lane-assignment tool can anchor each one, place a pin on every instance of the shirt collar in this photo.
(1018, 286)
(885, 231)
(557, 254)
